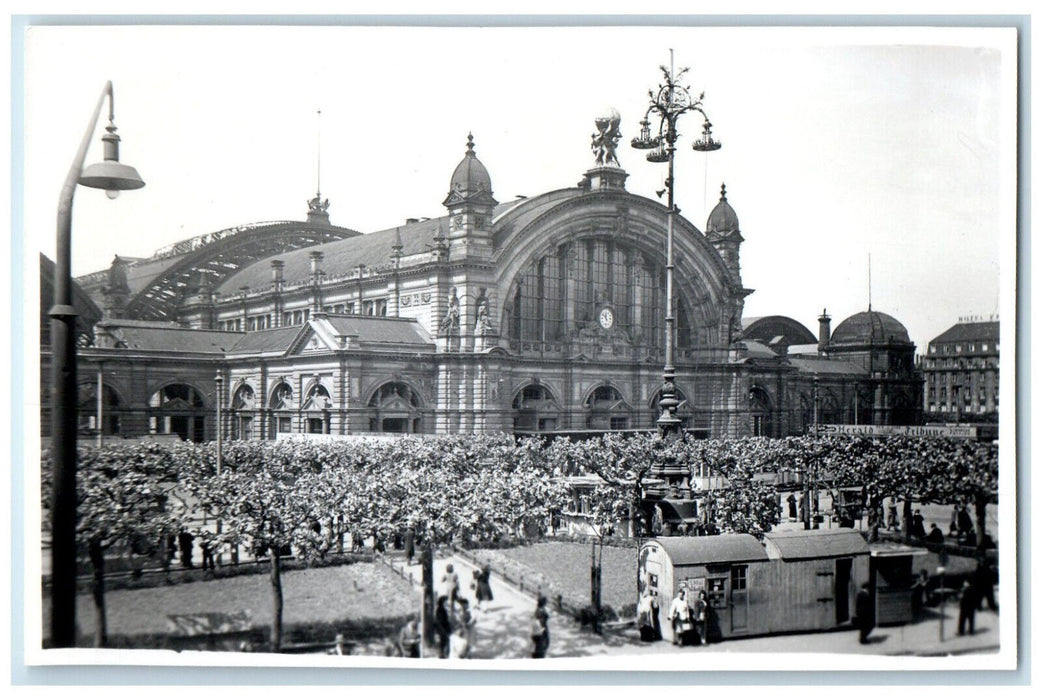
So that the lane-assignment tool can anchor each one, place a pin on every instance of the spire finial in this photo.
(470, 143)
(318, 156)
(723, 192)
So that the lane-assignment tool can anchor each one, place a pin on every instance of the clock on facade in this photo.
(606, 318)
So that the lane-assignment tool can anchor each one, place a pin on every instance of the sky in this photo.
(840, 146)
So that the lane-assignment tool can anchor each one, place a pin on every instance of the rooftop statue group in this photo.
(606, 140)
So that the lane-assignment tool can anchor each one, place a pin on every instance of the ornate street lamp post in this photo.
(111, 176)
(669, 103)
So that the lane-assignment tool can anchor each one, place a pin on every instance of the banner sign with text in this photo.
(940, 431)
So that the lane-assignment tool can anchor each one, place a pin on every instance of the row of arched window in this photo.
(563, 290)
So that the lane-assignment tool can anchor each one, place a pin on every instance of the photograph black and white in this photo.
(520, 347)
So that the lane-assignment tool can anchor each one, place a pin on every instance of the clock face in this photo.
(606, 318)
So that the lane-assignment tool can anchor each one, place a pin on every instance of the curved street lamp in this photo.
(669, 103)
(111, 176)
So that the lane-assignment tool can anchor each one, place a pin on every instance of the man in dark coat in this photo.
(864, 613)
(983, 580)
(967, 607)
(918, 530)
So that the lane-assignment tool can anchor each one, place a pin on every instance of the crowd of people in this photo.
(455, 618)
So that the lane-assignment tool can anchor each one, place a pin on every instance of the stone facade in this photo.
(536, 315)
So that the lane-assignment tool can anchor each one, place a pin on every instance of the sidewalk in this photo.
(501, 632)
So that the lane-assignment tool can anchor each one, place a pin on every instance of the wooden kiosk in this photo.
(800, 580)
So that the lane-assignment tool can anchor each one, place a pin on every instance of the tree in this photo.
(273, 497)
(123, 499)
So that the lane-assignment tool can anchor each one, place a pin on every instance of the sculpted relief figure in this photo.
(450, 324)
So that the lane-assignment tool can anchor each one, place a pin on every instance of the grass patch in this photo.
(564, 568)
(361, 600)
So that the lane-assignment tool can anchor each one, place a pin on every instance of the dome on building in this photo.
(869, 327)
(722, 219)
(470, 177)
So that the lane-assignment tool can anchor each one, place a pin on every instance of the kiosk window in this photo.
(739, 575)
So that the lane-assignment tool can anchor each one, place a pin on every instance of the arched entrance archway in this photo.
(760, 411)
(316, 409)
(395, 408)
(178, 409)
(111, 405)
(606, 409)
(535, 409)
(281, 405)
(244, 403)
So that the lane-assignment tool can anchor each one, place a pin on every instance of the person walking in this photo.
(919, 593)
(984, 581)
(680, 617)
(645, 616)
(450, 585)
(442, 626)
(482, 587)
(540, 631)
(968, 607)
(863, 612)
(467, 622)
(791, 500)
(918, 530)
(702, 616)
(410, 544)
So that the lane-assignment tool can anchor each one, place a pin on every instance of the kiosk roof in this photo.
(712, 549)
(816, 544)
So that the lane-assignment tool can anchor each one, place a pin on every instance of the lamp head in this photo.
(111, 175)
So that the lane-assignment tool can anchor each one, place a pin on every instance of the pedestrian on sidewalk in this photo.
(791, 500)
(184, 543)
(467, 622)
(646, 614)
(967, 607)
(442, 626)
(540, 631)
(450, 585)
(410, 544)
(918, 530)
(702, 616)
(482, 586)
(459, 647)
(984, 581)
(680, 617)
(863, 612)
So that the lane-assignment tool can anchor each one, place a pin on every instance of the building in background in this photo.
(541, 314)
(961, 373)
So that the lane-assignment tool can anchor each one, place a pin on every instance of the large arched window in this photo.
(178, 409)
(88, 409)
(395, 408)
(243, 404)
(282, 408)
(606, 409)
(316, 405)
(760, 412)
(535, 409)
(561, 292)
(683, 408)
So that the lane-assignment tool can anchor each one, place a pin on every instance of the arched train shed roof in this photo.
(217, 257)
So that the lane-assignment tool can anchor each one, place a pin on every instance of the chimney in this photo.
(824, 331)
